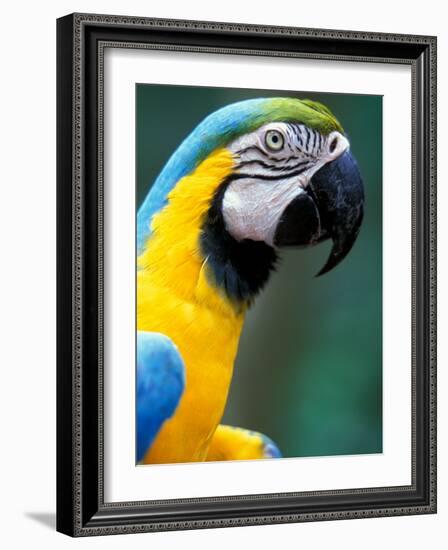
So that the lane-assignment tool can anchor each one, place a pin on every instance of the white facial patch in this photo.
(274, 165)
(252, 208)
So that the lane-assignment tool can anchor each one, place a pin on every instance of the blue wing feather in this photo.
(160, 384)
(270, 449)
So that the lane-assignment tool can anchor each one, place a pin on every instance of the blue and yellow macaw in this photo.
(253, 177)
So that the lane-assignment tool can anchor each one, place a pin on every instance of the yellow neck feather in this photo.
(177, 298)
(172, 254)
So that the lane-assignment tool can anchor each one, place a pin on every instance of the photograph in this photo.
(224, 334)
(258, 274)
(246, 248)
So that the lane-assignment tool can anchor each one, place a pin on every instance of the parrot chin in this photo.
(331, 207)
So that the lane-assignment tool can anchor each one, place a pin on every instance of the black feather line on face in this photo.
(240, 268)
(303, 164)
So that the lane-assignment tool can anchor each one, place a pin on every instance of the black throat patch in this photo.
(239, 268)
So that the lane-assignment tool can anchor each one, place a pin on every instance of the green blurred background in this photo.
(309, 367)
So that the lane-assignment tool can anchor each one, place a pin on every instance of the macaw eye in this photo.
(274, 140)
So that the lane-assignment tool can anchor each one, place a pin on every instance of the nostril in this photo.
(333, 145)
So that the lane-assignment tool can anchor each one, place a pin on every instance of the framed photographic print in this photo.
(246, 274)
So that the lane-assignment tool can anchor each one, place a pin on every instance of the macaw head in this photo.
(293, 183)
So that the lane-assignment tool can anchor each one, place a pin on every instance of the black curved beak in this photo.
(331, 207)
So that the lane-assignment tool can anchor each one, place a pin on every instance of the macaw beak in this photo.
(331, 207)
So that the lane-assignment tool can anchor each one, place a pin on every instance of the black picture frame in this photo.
(81, 39)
